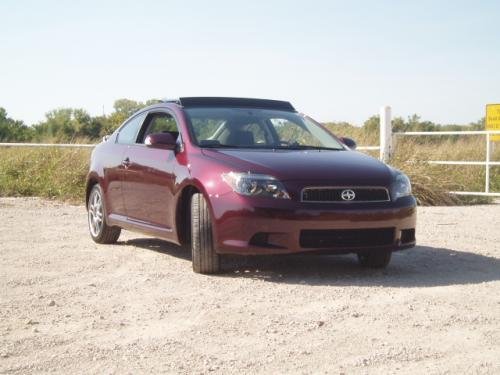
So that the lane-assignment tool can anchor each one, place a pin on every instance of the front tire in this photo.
(99, 230)
(204, 257)
(375, 258)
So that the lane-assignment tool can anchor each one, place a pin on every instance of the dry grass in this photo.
(44, 172)
(431, 183)
(60, 173)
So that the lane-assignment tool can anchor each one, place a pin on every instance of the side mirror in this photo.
(161, 140)
(349, 142)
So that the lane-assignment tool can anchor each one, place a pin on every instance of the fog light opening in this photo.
(408, 235)
(260, 239)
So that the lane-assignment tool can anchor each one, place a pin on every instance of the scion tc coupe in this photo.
(246, 176)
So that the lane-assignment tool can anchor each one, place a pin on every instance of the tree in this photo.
(478, 125)
(124, 108)
(13, 130)
(67, 124)
(372, 125)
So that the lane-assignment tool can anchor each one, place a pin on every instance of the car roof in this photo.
(211, 101)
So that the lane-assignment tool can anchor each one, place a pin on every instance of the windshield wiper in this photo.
(308, 147)
(218, 145)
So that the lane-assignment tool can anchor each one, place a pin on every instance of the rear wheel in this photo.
(204, 257)
(99, 230)
(375, 258)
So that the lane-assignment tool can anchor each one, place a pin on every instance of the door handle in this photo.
(126, 162)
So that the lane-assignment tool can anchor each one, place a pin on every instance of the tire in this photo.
(98, 229)
(204, 257)
(375, 258)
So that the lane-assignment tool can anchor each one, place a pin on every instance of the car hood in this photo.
(345, 168)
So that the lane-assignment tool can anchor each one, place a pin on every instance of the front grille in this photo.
(337, 238)
(334, 194)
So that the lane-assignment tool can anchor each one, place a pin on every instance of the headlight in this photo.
(255, 185)
(401, 186)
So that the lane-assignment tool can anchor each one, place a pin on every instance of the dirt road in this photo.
(68, 305)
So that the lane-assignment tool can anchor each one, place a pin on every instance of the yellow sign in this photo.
(493, 120)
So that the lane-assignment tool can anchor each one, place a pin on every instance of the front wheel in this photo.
(375, 258)
(99, 230)
(204, 257)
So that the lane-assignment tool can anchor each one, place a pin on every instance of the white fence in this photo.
(386, 147)
(73, 145)
(388, 141)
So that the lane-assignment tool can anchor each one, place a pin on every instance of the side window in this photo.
(159, 123)
(128, 132)
(292, 133)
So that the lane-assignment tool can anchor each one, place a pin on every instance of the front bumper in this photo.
(255, 227)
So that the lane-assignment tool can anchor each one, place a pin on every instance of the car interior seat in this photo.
(240, 138)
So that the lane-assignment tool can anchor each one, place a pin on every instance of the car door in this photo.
(149, 181)
(116, 165)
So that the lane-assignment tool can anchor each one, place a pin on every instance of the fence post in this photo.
(488, 158)
(385, 134)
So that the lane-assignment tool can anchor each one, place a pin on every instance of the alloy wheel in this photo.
(96, 213)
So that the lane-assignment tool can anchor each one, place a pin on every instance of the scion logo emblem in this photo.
(348, 195)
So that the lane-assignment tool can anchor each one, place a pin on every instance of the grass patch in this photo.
(44, 172)
(431, 183)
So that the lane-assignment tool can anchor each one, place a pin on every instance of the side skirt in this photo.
(124, 222)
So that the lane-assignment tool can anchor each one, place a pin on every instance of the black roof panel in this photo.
(236, 102)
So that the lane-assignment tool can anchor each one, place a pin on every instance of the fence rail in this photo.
(8, 144)
(368, 148)
(457, 132)
(74, 145)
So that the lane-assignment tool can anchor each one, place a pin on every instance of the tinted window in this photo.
(230, 127)
(290, 132)
(256, 128)
(128, 132)
(207, 127)
(259, 133)
(159, 123)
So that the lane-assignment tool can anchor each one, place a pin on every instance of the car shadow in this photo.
(422, 266)
(159, 246)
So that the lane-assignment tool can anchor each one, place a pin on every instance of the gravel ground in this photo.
(68, 305)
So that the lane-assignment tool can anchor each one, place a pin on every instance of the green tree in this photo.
(67, 124)
(123, 109)
(13, 130)
(478, 125)
(372, 125)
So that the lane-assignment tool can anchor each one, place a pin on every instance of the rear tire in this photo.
(204, 258)
(99, 230)
(375, 258)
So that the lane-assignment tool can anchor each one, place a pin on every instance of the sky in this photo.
(334, 60)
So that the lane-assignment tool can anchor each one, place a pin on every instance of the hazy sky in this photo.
(335, 60)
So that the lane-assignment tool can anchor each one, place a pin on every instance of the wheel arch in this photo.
(183, 210)
(92, 180)
(183, 213)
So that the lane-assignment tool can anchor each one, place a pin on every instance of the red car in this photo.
(246, 176)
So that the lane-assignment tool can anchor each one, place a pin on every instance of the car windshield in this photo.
(257, 128)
